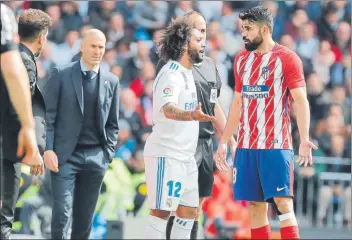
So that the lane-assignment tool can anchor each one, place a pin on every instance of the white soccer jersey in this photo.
(172, 138)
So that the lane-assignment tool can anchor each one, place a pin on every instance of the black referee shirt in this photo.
(208, 84)
(9, 42)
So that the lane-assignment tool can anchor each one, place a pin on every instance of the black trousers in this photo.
(10, 177)
(75, 191)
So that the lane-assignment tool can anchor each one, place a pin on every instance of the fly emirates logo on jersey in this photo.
(190, 106)
(255, 92)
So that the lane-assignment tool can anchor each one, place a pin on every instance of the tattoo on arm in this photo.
(171, 111)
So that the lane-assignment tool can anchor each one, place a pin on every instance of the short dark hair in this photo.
(258, 14)
(174, 38)
(32, 23)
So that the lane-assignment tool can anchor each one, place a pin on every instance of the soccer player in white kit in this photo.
(171, 170)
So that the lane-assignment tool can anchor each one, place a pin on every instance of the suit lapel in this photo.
(77, 84)
(101, 99)
(102, 89)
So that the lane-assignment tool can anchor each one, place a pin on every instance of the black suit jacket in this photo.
(64, 100)
(12, 122)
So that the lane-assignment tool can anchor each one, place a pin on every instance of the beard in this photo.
(195, 56)
(254, 44)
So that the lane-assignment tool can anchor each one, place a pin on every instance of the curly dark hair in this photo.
(32, 23)
(174, 38)
(260, 15)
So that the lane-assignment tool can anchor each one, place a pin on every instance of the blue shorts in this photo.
(261, 174)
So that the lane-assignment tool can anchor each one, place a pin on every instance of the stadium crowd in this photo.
(318, 31)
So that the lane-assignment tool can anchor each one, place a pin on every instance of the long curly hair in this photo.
(174, 38)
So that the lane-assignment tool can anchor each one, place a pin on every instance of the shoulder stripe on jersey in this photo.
(174, 66)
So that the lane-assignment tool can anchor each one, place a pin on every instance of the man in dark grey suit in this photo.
(82, 112)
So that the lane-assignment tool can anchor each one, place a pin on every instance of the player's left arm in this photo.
(293, 75)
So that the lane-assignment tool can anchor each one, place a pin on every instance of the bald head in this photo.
(93, 47)
(93, 33)
(199, 22)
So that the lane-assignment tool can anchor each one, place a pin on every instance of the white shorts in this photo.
(171, 183)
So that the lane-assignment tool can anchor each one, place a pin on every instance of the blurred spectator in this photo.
(123, 50)
(58, 31)
(126, 8)
(39, 205)
(147, 73)
(126, 144)
(323, 61)
(233, 40)
(223, 61)
(63, 53)
(99, 17)
(343, 37)
(147, 103)
(110, 57)
(347, 67)
(287, 41)
(298, 20)
(343, 10)
(117, 70)
(182, 8)
(151, 15)
(327, 128)
(154, 57)
(338, 96)
(136, 163)
(70, 16)
(211, 10)
(317, 97)
(312, 8)
(328, 23)
(213, 29)
(229, 17)
(307, 43)
(116, 28)
(134, 65)
(279, 22)
(334, 193)
(128, 111)
(16, 7)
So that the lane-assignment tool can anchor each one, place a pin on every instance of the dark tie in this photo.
(89, 74)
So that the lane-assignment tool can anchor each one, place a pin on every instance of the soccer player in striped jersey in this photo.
(170, 167)
(268, 76)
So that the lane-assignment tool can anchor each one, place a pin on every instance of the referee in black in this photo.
(208, 84)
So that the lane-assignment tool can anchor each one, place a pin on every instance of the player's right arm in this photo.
(17, 83)
(168, 92)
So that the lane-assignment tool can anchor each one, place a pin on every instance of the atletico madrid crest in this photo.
(266, 72)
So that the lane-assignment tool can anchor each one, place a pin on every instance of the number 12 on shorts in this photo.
(174, 188)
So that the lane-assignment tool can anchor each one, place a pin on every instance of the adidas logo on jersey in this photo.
(174, 66)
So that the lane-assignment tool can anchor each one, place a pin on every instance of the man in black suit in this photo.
(82, 111)
(32, 28)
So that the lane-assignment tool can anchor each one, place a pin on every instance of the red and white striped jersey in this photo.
(264, 82)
